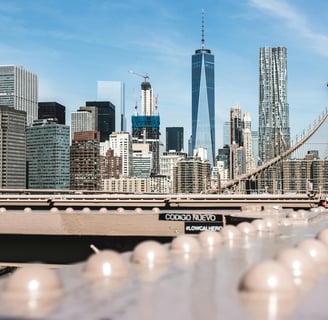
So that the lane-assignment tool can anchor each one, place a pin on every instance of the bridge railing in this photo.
(298, 143)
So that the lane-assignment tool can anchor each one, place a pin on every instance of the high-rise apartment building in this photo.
(203, 100)
(52, 110)
(255, 148)
(85, 161)
(174, 138)
(274, 131)
(146, 127)
(191, 175)
(120, 143)
(114, 91)
(47, 153)
(308, 175)
(248, 141)
(12, 148)
(110, 165)
(168, 161)
(19, 90)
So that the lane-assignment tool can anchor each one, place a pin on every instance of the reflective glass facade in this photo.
(114, 91)
(203, 102)
(48, 155)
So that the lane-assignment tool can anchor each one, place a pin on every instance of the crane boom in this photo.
(145, 76)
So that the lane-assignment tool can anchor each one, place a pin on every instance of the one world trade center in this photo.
(203, 100)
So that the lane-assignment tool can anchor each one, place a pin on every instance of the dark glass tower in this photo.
(174, 138)
(203, 100)
(52, 110)
(106, 118)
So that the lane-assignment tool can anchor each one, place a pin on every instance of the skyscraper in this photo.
(236, 127)
(48, 158)
(145, 127)
(174, 138)
(19, 90)
(203, 100)
(274, 131)
(114, 91)
(247, 141)
(81, 121)
(12, 148)
(105, 118)
(120, 142)
(52, 110)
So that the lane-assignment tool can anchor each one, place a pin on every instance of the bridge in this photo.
(299, 143)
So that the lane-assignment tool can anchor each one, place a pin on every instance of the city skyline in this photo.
(70, 56)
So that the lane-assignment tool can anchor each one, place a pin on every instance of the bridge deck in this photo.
(204, 286)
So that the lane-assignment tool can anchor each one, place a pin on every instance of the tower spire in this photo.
(203, 36)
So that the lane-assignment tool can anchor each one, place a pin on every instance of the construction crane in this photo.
(146, 77)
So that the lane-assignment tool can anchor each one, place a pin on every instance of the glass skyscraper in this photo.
(174, 138)
(203, 100)
(114, 91)
(48, 157)
(274, 130)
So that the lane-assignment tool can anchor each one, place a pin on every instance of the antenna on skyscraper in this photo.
(203, 33)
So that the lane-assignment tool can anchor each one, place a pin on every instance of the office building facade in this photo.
(236, 127)
(13, 148)
(114, 91)
(105, 122)
(142, 160)
(81, 121)
(48, 157)
(203, 100)
(174, 139)
(19, 90)
(52, 110)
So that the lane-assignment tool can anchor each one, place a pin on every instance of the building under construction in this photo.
(146, 126)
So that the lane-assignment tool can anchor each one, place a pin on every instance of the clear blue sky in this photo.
(71, 45)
